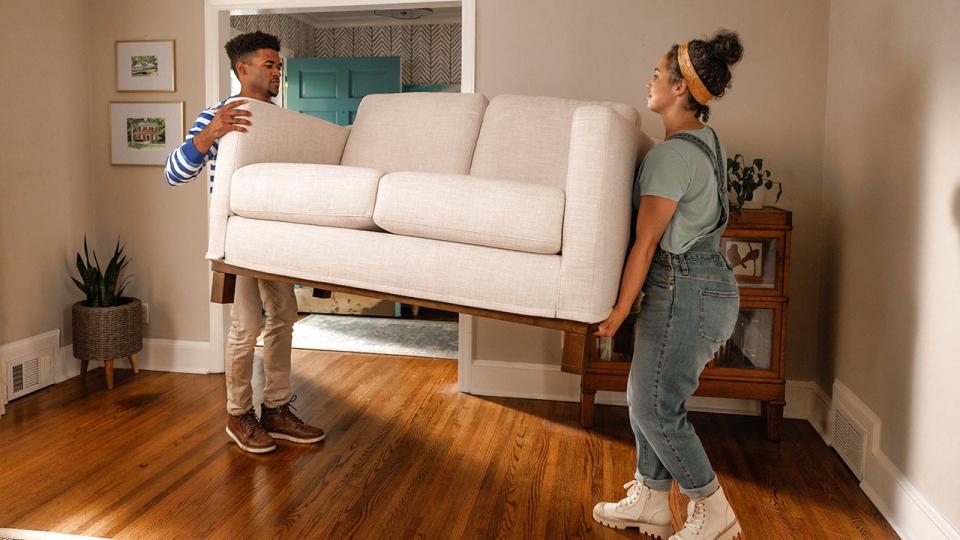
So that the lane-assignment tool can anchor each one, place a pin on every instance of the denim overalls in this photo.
(689, 309)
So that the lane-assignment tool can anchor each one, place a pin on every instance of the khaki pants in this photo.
(252, 296)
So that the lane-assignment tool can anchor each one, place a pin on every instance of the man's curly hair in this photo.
(239, 47)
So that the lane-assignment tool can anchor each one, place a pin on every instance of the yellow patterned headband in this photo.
(696, 86)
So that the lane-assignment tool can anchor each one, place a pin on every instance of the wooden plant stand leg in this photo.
(586, 407)
(108, 368)
(772, 414)
(84, 364)
(133, 363)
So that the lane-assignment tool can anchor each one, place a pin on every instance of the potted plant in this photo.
(744, 180)
(107, 325)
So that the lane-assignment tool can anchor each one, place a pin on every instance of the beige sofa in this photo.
(517, 209)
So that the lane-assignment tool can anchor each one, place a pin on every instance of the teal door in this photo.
(331, 88)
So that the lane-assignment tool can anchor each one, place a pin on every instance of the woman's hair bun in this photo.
(726, 46)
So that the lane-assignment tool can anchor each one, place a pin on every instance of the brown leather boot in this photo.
(281, 423)
(246, 431)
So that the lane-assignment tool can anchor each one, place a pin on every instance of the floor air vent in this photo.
(850, 441)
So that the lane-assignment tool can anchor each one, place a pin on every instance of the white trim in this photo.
(178, 356)
(216, 23)
(904, 507)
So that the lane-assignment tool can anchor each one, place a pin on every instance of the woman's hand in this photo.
(610, 326)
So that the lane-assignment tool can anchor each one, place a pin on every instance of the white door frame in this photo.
(216, 25)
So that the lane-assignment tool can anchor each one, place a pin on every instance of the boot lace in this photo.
(696, 517)
(634, 491)
(249, 422)
(286, 410)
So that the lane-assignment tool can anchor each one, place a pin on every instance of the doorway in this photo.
(336, 16)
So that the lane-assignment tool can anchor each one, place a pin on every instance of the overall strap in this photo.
(716, 158)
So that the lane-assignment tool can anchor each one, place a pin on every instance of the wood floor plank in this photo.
(406, 456)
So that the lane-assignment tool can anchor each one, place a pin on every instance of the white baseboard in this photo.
(179, 356)
(906, 509)
(540, 381)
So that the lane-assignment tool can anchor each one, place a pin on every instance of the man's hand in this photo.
(228, 118)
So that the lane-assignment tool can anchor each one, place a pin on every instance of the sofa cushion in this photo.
(475, 276)
(330, 195)
(505, 214)
(528, 138)
(429, 132)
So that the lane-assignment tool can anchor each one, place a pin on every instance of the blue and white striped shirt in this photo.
(186, 162)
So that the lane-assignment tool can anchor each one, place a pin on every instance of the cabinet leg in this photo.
(586, 407)
(133, 363)
(772, 414)
(84, 364)
(108, 368)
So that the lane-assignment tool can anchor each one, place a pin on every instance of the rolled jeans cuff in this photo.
(702, 492)
(655, 485)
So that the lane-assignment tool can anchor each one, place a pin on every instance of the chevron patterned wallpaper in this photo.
(293, 34)
(429, 53)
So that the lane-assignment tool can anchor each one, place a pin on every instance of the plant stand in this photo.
(108, 368)
(108, 334)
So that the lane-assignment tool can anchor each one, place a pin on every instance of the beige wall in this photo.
(46, 206)
(165, 228)
(891, 256)
(607, 51)
(57, 180)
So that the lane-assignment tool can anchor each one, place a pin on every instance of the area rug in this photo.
(376, 335)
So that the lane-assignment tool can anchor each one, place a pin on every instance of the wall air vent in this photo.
(850, 441)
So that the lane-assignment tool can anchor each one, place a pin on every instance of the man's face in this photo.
(259, 72)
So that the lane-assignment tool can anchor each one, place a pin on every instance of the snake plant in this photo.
(102, 288)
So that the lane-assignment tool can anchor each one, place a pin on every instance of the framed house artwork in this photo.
(144, 133)
(146, 66)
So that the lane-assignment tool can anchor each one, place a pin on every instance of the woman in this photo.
(690, 297)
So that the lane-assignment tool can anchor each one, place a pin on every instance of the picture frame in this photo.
(146, 66)
(745, 257)
(144, 133)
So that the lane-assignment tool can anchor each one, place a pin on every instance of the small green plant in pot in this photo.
(744, 180)
(107, 325)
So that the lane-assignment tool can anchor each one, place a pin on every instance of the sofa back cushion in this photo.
(427, 132)
(528, 138)
(505, 214)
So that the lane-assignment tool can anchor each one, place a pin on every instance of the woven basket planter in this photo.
(107, 333)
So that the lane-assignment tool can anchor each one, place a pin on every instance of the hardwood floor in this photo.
(406, 456)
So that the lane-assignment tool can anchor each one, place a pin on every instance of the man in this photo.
(257, 64)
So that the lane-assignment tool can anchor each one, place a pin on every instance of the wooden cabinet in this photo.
(751, 364)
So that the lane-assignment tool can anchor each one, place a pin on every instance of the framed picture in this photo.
(146, 66)
(745, 257)
(144, 133)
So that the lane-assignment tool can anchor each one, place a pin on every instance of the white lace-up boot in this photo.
(642, 508)
(709, 518)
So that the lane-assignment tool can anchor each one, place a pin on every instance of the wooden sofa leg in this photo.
(577, 349)
(223, 288)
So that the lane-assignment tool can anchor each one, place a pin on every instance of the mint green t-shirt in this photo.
(677, 170)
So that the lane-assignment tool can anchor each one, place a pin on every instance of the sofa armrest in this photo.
(604, 152)
(277, 135)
